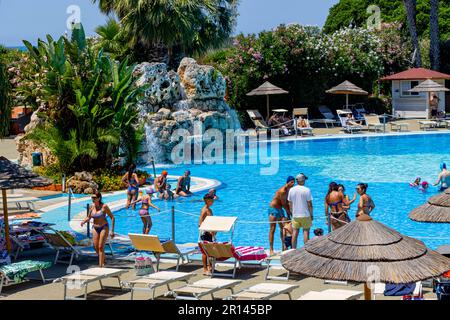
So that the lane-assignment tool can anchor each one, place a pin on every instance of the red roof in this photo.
(417, 74)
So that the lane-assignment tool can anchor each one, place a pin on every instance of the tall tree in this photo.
(434, 35)
(187, 26)
(411, 12)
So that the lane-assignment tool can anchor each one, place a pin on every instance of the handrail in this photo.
(69, 205)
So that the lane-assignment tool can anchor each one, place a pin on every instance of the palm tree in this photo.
(5, 99)
(187, 26)
(434, 35)
(410, 6)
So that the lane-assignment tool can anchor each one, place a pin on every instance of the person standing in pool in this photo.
(334, 207)
(366, 204)
(99, 212)
(444, 178)
(131, 180)
(276, 211)
(184, 185)
(161, 182)
(206, 236)
(144, 213)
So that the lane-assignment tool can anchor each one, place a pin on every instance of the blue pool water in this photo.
(387, 164)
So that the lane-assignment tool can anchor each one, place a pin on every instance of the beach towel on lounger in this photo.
(399, 290)
(249, 253)
(18, 271)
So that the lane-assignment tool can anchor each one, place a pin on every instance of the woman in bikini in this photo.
(341, 189)
(366, 204)
(335, 202)
(99, 212)
(144, 212)
(131, 180)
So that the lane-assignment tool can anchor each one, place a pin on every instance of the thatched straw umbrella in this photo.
(429, 86)
(347, 88)
(436, 210)
(267, 89)
(13, 176)
(351, 253)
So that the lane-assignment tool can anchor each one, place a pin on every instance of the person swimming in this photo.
(416, 182)
(424, 186)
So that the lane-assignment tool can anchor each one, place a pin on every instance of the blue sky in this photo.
(31, 19)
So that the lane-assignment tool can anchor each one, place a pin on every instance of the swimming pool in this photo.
(386, 163)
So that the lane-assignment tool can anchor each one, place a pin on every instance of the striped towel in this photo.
(249, 253)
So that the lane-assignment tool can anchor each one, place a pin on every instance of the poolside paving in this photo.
(35, 290)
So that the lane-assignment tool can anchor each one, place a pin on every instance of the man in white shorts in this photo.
(300, 202)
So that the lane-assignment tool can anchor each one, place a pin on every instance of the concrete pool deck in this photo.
(35, 290)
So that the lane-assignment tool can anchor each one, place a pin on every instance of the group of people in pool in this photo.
(443, 181)
(292, 209)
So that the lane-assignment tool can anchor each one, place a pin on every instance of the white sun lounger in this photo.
(265, 291)
(205, 287)
(399, 127)
(81, 280)
(373, 123)
(332, 294)
(153, 281)
(271, 266)
(342, 114)
(22, 202)
(427, 125)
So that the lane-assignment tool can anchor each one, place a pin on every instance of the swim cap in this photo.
(443, 166)
(290, 179)
(150, 190)
(165, 173)
(188, 172)
(424, 184)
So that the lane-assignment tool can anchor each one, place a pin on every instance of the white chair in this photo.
(205, 287)
(265, 291)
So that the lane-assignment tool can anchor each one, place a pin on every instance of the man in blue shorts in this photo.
(276, 211)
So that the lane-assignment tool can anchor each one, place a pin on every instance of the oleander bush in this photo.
(306, 62)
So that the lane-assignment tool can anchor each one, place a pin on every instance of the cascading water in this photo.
(153, 149)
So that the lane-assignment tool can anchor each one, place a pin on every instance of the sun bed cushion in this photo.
(399, 290)
(18, 271)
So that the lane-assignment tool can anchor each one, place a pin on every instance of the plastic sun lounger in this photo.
(148, 243)
(15, 273)
(427, 125)
(332, 294)
(350, 129)
(205, 287)
(224, 251)
(381, 287)
(59, 243)
(271, 266)
(373, 123)
(153, 281)
(265, 291)
(258, 120)
(19, 202)
(302, 112)
(396, 126)
(81, 280)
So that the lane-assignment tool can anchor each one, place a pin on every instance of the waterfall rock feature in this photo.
(178, 100)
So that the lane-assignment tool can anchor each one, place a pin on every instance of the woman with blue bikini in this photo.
(99, 212)
(131, 180)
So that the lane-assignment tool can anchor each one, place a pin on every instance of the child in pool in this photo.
(287, 235)
(416, 182)
(424, 186)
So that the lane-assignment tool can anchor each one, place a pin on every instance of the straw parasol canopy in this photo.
(429, 86)
(347, 88)
(267, 89)
(13, 176)
(437, 209)
(352, 252)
